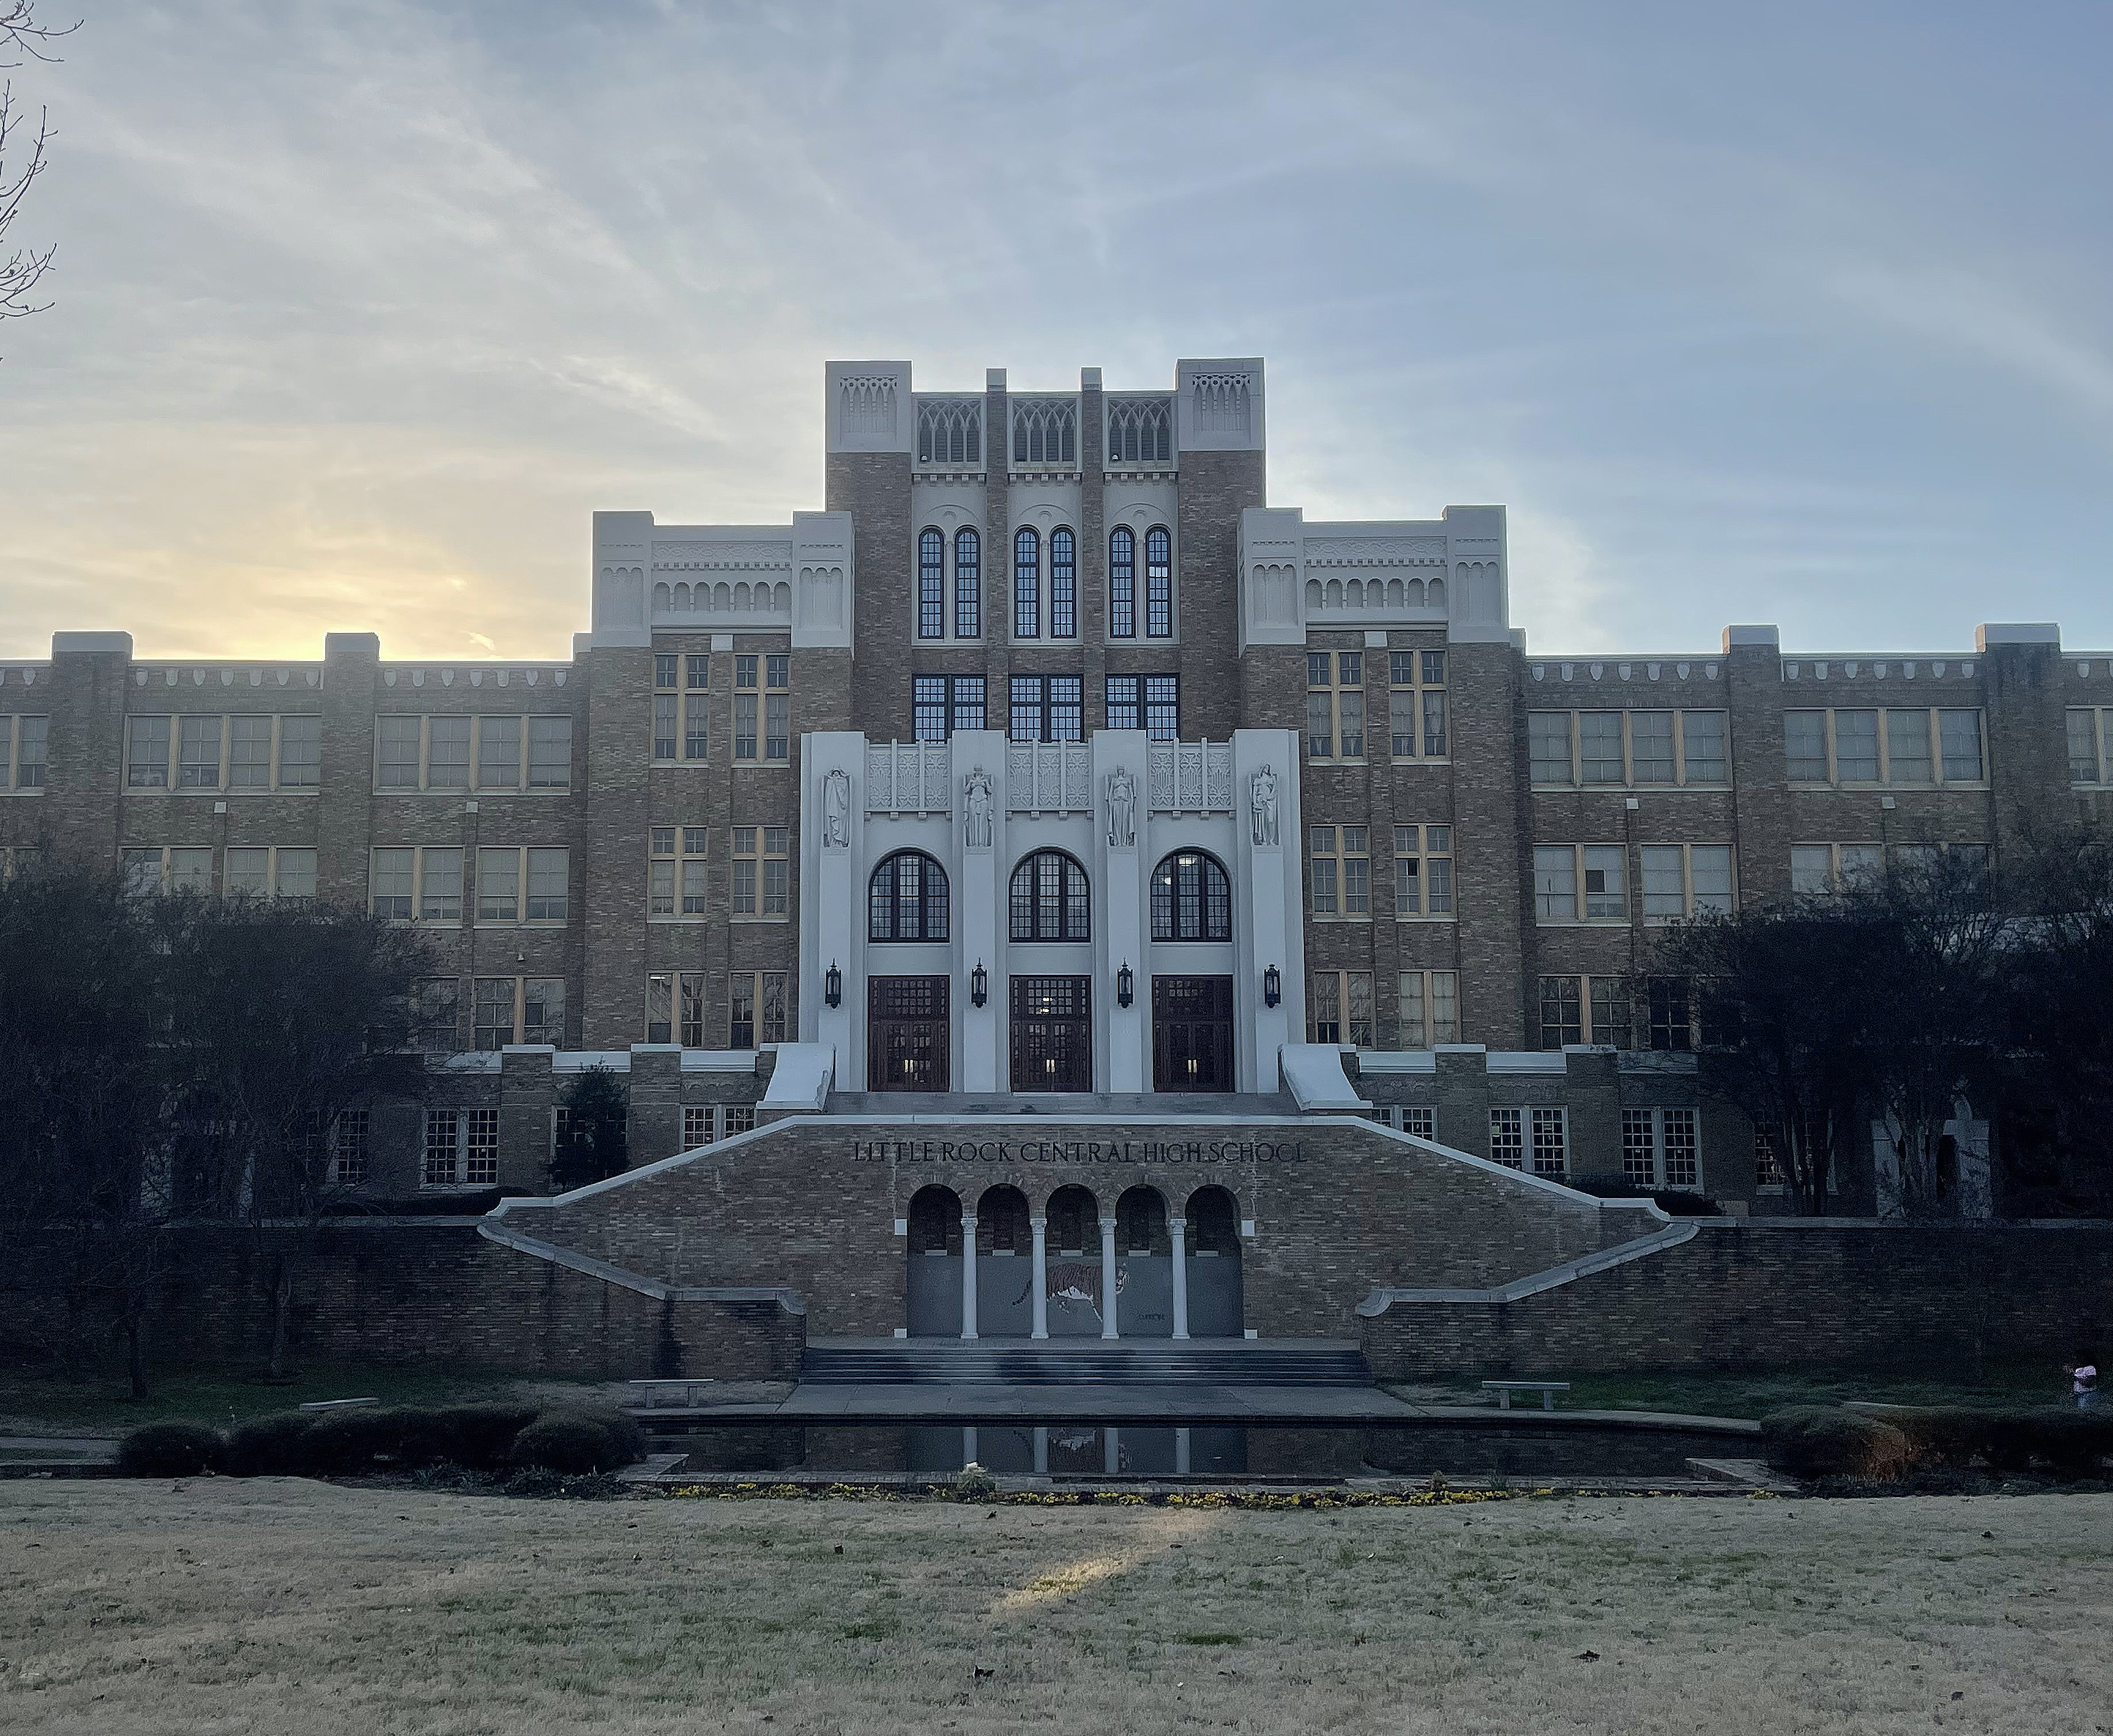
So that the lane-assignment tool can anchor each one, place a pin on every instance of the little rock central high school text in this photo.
(1050, 757)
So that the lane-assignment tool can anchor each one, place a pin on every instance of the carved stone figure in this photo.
(1122, 810)
(1262, 800)
(976, 802)
(837, 811)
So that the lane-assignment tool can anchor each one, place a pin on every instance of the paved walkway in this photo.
(58, 1447)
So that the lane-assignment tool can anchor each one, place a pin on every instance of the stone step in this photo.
(1018, 1362)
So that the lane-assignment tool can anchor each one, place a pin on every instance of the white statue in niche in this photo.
(836, 810)
(1262, 800)
(977, 802)
(1122, 810)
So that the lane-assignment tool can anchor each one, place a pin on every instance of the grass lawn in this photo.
(40, 1403)
(2014, 1380)
(239, 1607)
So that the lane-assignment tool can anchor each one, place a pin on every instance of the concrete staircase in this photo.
(1281, 1362)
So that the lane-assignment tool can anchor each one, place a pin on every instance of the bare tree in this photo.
(22, 265)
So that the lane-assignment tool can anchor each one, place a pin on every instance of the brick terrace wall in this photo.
(1782, 1293)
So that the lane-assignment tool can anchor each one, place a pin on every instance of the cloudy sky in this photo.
(1801, 313)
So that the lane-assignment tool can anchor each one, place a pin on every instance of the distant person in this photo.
(2083, 1384)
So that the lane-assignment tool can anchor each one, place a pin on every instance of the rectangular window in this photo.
(1659, 1148)
(1804, 746)
(1702, 747)
(747, 671)
(1672, 1014)
(1335, 705)
(758, 1009)
(198, 753)
(1428, 1008)
(943, 703)
(443, 1148)
(2085, 764)
(675, 871)
(247, 872)
(549, 872)
(1652, 759)
(660, 1007)
(1422, 871)
(396, 749)
(1599, 747)
(436, 1014)
(1551, 1141)
(1639, 1148)
(1825, 868)
(549, 753)
(1063, 585)
(447, 752)
(250, 752)
(696, 1125)
(1562, 1011)
(1607, 1007)
(697, 670)
(1419, 1120)
(762, 864)
(1856, 747)
(349, 1148)
(492, 1011)
(778, 707)
(1159, 584)
(147, 753)
(1959, 737)
(293, 873)
(1548, 746)
(1907, 748)
(1681, 1146)
(1562, 872)
(1048, 708)
(1151, 703)
(440, 883)
(667, 725)
(32, 751)
(1681, 879)
(1507, 1138)
(392, 884)
(480, 1147)
(499, 886)
(740, 1118)
(1415, 703)
(498, 752)
(1340, 1007)
(543, 1011)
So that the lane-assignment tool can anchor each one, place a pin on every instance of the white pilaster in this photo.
(979, 908)
(968, 1446)
(1268, 924)
(832, 899)
(968, 1275)
(1108, 1327)
(1120, 872)
(1181, 1464)
(1178, 1229)
(1110, 1451)
(1042, 1449)
(1040, 1226)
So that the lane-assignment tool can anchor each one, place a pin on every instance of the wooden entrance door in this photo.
(1052, 1034)
(1192, 1033)
(905, 1041)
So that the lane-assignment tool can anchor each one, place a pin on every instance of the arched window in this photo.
(1063, 585)
(1026, 584)
(1122, 583)
(1158, 583)
(968, 584)
(1191, 899)
(906, 899)
(1049, 901)
(931, 585)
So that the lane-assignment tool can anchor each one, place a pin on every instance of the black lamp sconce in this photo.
(832, 986)
(1272, 987)
(1125, 985)
(978, 985)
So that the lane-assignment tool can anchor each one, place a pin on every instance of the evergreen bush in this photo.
(569, 1442)
(1814, 1441)
(275, 1446)
(169, 1450)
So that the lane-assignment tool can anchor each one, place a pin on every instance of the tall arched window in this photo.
(1122, 583)
(1049, 899)
(1158, 583)
(1191, 899)
(931, 585)
(906, 899)
(968, 584)
(1026, 584)
(1063, 585)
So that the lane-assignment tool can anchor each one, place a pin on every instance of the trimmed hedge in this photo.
(575, 1442)
(169, 1450)
(1819, 1441)
(269, 1446)
(361, 1440)
(1812, 1440)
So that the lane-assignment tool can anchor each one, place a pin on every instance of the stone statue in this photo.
(1262, 800)
(976, 800)
(1122, 810)
(836, 810)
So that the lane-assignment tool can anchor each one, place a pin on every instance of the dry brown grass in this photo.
(128, 1608)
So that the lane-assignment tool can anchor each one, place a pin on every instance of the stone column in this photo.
(1110, 1451)
(1042, 1451)
(1177, 1228)
(1181, 1452)
(1040, 1226)
(968, 1275)
(967, 1446)
(1108, 1329)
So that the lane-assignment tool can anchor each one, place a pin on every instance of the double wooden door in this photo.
(907, 1033)
(1192, 1033)
(1052, 1034)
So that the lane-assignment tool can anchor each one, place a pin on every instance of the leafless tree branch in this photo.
(23, 267)
(21, 34)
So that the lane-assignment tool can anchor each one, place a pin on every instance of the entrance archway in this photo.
(1144, 1265)
(1213, 1268)
(934, 1285)
(1072, 1282)
(1005, 1265)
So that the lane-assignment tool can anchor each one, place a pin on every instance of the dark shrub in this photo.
(624, 1430)
(269, 1446)
(2073, 1442)
(555, 1485)
(1941, 1434)
(1811, 1441)
(570, 1441)
(169, 1450)
(348, 1441)
(483, 1434)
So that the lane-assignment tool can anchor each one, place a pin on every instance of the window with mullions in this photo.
(25, 752)
(1659, 1148)
(762, 871)
(269, 870)
(968, 584)
(251, 753)
(758, 1008)
(675, 871)
(410, 884)
(1151, 703)
(516, 1010)
(1334, 705)
(1615, 749)
(1416, 704)
(1883, 747)
(484, 754)
(1428, 1008)
(1191, 899)
(1063, 585)
(1045, 431)
(504, 871)
(1580, 882)
(1049, 901)
(943, 703)
(1587, 1009)
(1048, 708)
(1683, 880)
(1422, 871)
(1122, 583)
(1340, 1008)
(1158, 583)
(931, 585)
(775, 671)
(675, 1008)
(906, 899)
(1340, 870)
(1026, 584)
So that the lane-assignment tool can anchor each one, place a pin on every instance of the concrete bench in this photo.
(1546, 1388)
(337, 1404)
(649, 1392)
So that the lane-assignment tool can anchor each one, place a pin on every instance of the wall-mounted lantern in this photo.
(1272, 987)
(832, 986)
(978, 985)
(1125, 984)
